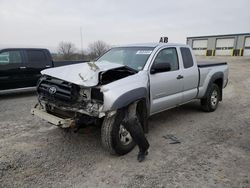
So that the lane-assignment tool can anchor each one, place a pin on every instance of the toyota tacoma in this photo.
(147, 78)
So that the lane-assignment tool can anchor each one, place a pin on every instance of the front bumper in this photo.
(60, 122)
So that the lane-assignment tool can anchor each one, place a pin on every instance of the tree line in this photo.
(68, 51)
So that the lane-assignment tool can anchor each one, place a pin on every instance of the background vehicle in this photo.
(155, 77)
(21, 67)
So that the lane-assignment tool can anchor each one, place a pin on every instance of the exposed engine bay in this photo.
(115, 74)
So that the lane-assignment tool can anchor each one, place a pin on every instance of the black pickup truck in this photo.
(20, 67)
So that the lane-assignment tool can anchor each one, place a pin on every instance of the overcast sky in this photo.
(44, 23)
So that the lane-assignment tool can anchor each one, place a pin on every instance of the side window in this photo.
(10, 57)
(36, 56)
(168, 55)
(187, 58)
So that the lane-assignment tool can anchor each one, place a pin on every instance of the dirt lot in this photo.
(214, 149)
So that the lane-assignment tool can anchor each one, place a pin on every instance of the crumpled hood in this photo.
(83, 74)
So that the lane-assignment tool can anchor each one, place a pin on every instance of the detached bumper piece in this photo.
(41, 113)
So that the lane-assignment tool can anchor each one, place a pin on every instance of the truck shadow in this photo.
(88, 140)
(90, 136)
(169, 117)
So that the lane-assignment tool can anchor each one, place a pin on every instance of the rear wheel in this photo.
(210, 103)
(115, 137)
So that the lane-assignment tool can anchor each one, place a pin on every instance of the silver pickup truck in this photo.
(149, 77)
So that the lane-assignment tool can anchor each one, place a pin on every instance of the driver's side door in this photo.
(166, 87)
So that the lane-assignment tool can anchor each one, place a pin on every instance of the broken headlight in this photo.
(85, 93)
(96, 94)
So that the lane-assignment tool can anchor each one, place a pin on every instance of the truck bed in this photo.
(206, 70)
(210, 63)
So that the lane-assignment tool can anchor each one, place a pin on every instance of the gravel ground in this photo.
(214, 149)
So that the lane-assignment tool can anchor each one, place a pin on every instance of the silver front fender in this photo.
(125, 91)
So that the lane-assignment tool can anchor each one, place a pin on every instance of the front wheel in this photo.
(115, 138)
(210, 103)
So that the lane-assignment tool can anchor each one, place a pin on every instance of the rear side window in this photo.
(36, 56)
(10, 57)
(187, 58)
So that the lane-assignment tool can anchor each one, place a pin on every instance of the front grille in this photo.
(53, 89)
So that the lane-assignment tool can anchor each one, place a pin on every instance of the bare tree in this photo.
(98, 48)
(66, 50)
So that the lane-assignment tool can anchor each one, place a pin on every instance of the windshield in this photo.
(133, 57)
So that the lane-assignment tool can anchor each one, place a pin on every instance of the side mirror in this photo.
(160, 67)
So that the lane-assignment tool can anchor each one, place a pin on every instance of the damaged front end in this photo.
(67, 100)
(67, 104)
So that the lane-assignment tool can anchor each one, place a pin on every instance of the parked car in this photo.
(20, 67)
(155, 77)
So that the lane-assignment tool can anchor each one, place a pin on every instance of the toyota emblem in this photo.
(52, 90)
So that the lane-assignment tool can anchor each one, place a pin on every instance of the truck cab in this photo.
(174, 86)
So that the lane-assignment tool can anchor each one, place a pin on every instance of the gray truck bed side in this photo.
(209, 69)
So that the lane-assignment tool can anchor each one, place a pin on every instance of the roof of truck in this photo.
(23, 49)
(152, 44)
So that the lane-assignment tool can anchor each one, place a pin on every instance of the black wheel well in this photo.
(219, 83)
(142, 114)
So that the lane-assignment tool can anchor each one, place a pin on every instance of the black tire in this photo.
(110, 136)
(210, 103)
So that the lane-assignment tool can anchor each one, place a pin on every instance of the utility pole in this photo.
(81, 41)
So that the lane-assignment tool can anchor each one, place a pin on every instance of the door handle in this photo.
(22, 67)
(179, 77)
(47, 66)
